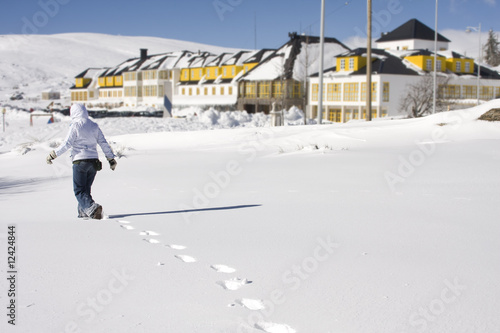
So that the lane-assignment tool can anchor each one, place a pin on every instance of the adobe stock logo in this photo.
(48, 9)
(223, 6)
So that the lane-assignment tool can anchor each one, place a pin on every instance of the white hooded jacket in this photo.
(83, 137)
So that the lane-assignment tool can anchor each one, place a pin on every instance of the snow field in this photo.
(389, 226)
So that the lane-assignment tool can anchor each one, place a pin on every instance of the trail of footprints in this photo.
(231, 284)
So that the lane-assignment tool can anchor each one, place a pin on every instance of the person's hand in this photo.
(52, 156)
(112, 163)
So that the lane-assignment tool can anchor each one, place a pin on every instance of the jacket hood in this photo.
(78, 112)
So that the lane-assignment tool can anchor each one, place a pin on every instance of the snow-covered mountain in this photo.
(33, 63)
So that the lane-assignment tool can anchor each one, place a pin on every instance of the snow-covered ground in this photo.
(389, 226)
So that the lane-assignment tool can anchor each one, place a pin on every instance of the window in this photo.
(333, 92)
(150, 75)
(374, 91)
(438, 66)
(131, 76)
(451, 91)
(351, 92)
(385, 92)
(347, 115)
(205, 91)
(467, 67)
(214, 91)
(297, 90)
(208, 72)
(335, 115)
(183, 91)
(428, 65)
(342, 64)
(250, 90)
(230, 90)
(190, 92)
(201, 73)
(222, 90)
(314, 93)
(233, 71)
(329, 96)
(197, 91)
(225, 71)
(264, 90)
(469, 92)
(150, 91)
(278, 89)
(163, 75)
(351, 63)
(486, 93)
(458, 67)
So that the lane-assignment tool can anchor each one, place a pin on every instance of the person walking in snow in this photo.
(82, 138)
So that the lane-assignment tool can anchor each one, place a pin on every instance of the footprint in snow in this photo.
(148, 233)
(151, 240)
(274, 328)
(251, 304)
(127, 227)
(176, 247)
(185, 258)
(123, 222)
(233, 284)
(223, 269)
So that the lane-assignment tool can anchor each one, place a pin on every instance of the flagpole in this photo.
(435, 60)
(321, 62)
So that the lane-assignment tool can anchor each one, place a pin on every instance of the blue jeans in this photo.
(83, 176)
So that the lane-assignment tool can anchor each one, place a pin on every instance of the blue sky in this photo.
(230, 23)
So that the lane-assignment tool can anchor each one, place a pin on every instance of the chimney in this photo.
(144, 54)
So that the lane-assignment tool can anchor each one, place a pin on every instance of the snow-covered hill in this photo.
(33, 63)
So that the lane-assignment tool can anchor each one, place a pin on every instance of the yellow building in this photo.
(86, 87)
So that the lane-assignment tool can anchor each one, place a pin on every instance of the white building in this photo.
(412, 35)
(394, 69)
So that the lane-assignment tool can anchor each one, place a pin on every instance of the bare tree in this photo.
(419, 99)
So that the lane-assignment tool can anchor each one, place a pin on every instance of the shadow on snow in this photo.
(207, 209)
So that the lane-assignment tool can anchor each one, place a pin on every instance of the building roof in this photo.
(218, 60)
(237, 58)
(487, 73)
(90, 73)
(294, 60)
(259, 55)
(413, 29)
(383, 63)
